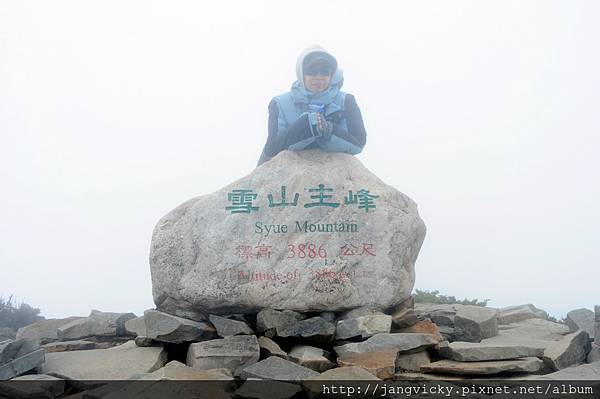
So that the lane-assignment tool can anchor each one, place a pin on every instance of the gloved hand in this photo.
(324, 127)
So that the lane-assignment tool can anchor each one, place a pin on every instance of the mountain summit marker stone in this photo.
(306, 231)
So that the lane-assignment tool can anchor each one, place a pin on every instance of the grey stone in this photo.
(116, 363)
(164, 327)
(197, 267)
(268, 347)
(276, 368)
(255, 389)
(440, 314)
(597, 324)
(268, 320)
(64, 346)
(412, 361)
(404, 318)
(589, 371)
(175, 370)
(96, 324)
(44, 331)
(234, 353)
(404, 342)
(534, 333)
(474, 323)
(227, 327)
(515, 314)
(476, 352)
(145, 342)
(528, 364)
(572, 350)
(7, 333)
(314, 385)
(311, 357)
(329, 316)
(21, 364)
(359, 312)
(314, 329)
(136, 327)
(33, 386)
(581, 319)
(363, 326)
(12, 349)
(594, 354)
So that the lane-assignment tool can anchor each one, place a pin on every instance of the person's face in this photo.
(317, 77)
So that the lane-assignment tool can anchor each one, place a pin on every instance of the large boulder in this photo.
(306, 231)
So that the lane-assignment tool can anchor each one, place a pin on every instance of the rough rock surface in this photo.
(234, 353)
(476, 352)
(474, 323)
(63, 346)
(404, 343)
(136, 327)
(314, 329)
(227, 327)
(514, 314)
(597, 324)
(572, 350)
(175, 370)
(529, 364)
(205, 258)
(44, 330)
(581, 319)
(276, 368)
(311, 357)
(381, 364)
(412, 361)
(268, 347)
(164, 327)
(96, 324)
(363, 326)
(117, 363)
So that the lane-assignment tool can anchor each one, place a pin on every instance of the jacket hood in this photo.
(314, 52)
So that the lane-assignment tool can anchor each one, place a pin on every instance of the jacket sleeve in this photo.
(295, 133)
(356, 133)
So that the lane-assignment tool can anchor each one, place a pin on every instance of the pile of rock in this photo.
(410, 342)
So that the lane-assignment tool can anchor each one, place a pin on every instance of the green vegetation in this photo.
(15, 315)
(436, 297)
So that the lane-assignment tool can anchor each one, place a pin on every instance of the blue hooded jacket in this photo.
(291, 123)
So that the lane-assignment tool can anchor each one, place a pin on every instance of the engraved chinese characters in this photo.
(308, 230)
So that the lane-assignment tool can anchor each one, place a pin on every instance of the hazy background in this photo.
(485, 113)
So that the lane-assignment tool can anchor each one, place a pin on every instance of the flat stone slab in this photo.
(412, 361)
(175, 370)
(381, 364)
(164, 327)
(403, 342)
(363, 326)
(21, 364)
(44, 331)
(529, 365)
(515, 314)
(275, 368)
(314, 329)
(476, 352)
(213, 253)
(535, 333)
(63, 346)
(234, 353)
(116, 363)
(96, 324)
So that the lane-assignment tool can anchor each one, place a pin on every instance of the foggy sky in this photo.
(485, 113)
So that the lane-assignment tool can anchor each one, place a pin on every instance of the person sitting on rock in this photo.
(315, 113)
